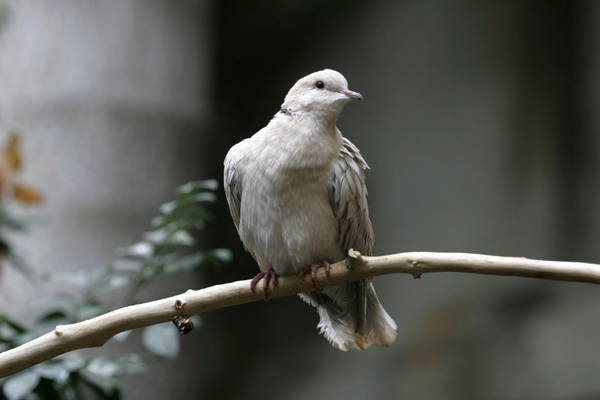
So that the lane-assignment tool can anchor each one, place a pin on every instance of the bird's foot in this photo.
(266, 277)
(313, 273)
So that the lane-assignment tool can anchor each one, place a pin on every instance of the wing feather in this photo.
(349, 200)
(232, 183)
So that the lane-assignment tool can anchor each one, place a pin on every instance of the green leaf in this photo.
(4, 320)
(128, 265)
(157, 221)
(205, 196)
(87, 390)
(20, 385)
(56, 301)
(15, 261)
(182, 238)
(210, 184)
(49, 321)
(168, 208)
(118, 281)
(190, 187)
(157, 236)
(55, 371)
(224, 255)
(8, 222)
(90, 311)
(52, 317)
(77, 279)
(162, 339)
(90, 386)
(140, 249)
(104, 367)
(122, 336)
(110, 367)
(187, 263)
(71, 362)
(131, 364)
(114, 282)
(7, 332)
(24, 338)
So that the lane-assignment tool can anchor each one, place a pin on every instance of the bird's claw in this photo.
(266, 277)
(313, 273)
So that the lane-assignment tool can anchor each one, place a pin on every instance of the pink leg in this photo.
(266, 277)
(313, 272)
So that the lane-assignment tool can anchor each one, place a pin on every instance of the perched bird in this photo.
(296, 191)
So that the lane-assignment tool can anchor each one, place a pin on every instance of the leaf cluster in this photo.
(86, 294)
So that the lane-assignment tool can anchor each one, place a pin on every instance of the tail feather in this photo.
(352, 316)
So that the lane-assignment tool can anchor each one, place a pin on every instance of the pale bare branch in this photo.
(97, 331)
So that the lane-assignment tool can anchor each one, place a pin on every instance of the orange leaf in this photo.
(11, 159)
(26, 194)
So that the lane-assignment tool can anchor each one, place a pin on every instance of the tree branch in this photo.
(97, 331)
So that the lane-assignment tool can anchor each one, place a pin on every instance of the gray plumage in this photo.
(297, 195)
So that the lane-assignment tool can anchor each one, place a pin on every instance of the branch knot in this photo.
(353, 260)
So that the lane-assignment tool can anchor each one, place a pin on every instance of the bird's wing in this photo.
(348, 198)
(232, 182)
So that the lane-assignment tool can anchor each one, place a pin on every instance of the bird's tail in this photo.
(351, 316)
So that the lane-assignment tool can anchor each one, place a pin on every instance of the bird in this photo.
(297, 196)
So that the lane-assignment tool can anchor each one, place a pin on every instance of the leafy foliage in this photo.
(12, 189)
(82, 294)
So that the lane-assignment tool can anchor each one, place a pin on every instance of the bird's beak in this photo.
(352, 95)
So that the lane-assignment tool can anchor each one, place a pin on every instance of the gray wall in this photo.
(479, 127)
(112, 100)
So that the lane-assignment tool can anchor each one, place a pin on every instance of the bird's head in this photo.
(322, 92)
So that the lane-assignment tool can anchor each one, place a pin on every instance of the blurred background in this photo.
(479, 126)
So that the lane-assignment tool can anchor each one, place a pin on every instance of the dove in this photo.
(297, 195)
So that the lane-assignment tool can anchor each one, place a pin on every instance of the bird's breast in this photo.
(286, 219)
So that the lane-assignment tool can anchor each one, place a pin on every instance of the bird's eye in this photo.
(320, 85)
